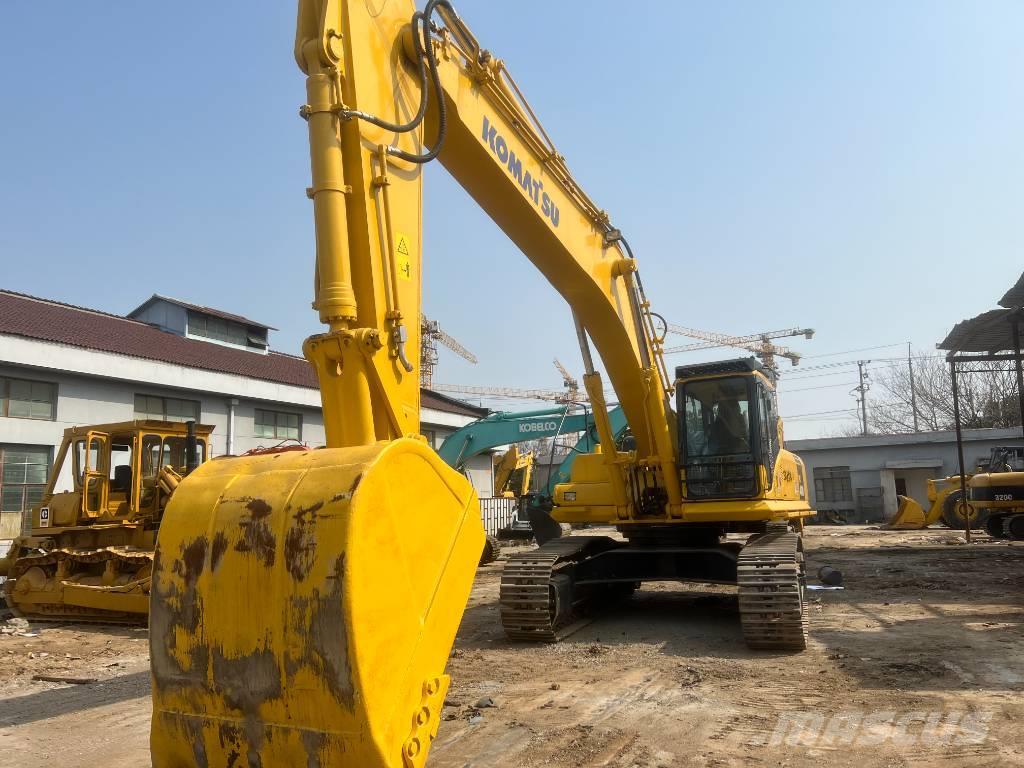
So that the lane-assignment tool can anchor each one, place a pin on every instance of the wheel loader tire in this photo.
(953, 514)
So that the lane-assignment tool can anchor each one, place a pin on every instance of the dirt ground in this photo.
(918, 661)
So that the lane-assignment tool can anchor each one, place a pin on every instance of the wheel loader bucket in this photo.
(909, 517)
(304, 605)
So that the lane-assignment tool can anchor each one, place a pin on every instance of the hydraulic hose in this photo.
(423, 47)
(421, 111)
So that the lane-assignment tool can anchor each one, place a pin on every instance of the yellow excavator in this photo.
(304, 603)
(89, 551)
(513, 473)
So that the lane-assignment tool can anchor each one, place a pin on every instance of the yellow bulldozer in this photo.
(88, 552)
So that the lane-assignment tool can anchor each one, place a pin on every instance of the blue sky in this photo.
(857, 167)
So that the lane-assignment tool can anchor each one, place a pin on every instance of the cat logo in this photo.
(44, 517)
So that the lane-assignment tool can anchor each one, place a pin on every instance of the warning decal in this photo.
(403, 255)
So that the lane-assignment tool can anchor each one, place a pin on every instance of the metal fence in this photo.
(497, 512)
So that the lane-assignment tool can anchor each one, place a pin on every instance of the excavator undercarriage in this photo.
(550, 592)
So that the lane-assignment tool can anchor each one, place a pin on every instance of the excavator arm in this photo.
(304, 603)
(507, 428)
(370, 72)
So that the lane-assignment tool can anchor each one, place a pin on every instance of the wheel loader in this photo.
(946, 504)
(945, 497)
(88, 553)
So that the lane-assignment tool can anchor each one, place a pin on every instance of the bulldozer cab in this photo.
(115, 470)
(728, 431)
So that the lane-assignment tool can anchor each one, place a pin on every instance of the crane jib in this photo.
(534, 188)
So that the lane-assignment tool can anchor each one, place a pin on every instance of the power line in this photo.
(818, 413)
(819, 386)
(883, 362)
(851, 351)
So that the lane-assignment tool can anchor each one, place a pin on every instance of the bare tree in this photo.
(987, 399)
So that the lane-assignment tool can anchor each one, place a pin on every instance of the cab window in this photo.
(159, 452)
(769, 427)
(717, 417)
(173, 453)
(120, 467)
(94, 455)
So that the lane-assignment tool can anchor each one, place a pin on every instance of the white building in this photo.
(62, 366)
(860, 477)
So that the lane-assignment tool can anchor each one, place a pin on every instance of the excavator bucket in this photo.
(304, 605)
(909, 517)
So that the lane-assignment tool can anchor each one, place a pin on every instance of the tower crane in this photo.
(571, 393)
(526, 394)
(572, 386)
(432, 334)
(758, 343)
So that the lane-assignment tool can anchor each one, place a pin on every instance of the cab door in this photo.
(95, 474)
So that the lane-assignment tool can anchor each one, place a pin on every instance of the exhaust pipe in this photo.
(191, 448)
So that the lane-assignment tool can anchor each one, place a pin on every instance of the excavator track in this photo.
(491, 551)
(126, 559)
(537, 601)
(770, 573)
(1013, 526)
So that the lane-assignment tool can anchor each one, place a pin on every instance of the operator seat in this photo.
(122, 478)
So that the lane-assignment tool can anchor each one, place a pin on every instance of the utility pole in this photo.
(862, 395)
(913, 389)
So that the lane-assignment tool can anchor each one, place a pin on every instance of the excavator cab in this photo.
(728, 429)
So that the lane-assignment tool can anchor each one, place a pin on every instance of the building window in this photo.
(431, 436)
(278, 425)
(23, 399)
(217, 328)
(23, 474)
(166, 408)
(832, 484)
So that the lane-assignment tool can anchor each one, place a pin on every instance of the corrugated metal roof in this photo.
(1015, 296)
(990, 331)
(46, 320)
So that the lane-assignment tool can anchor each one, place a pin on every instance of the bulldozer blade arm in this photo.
(304, 605)
(909, 517)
